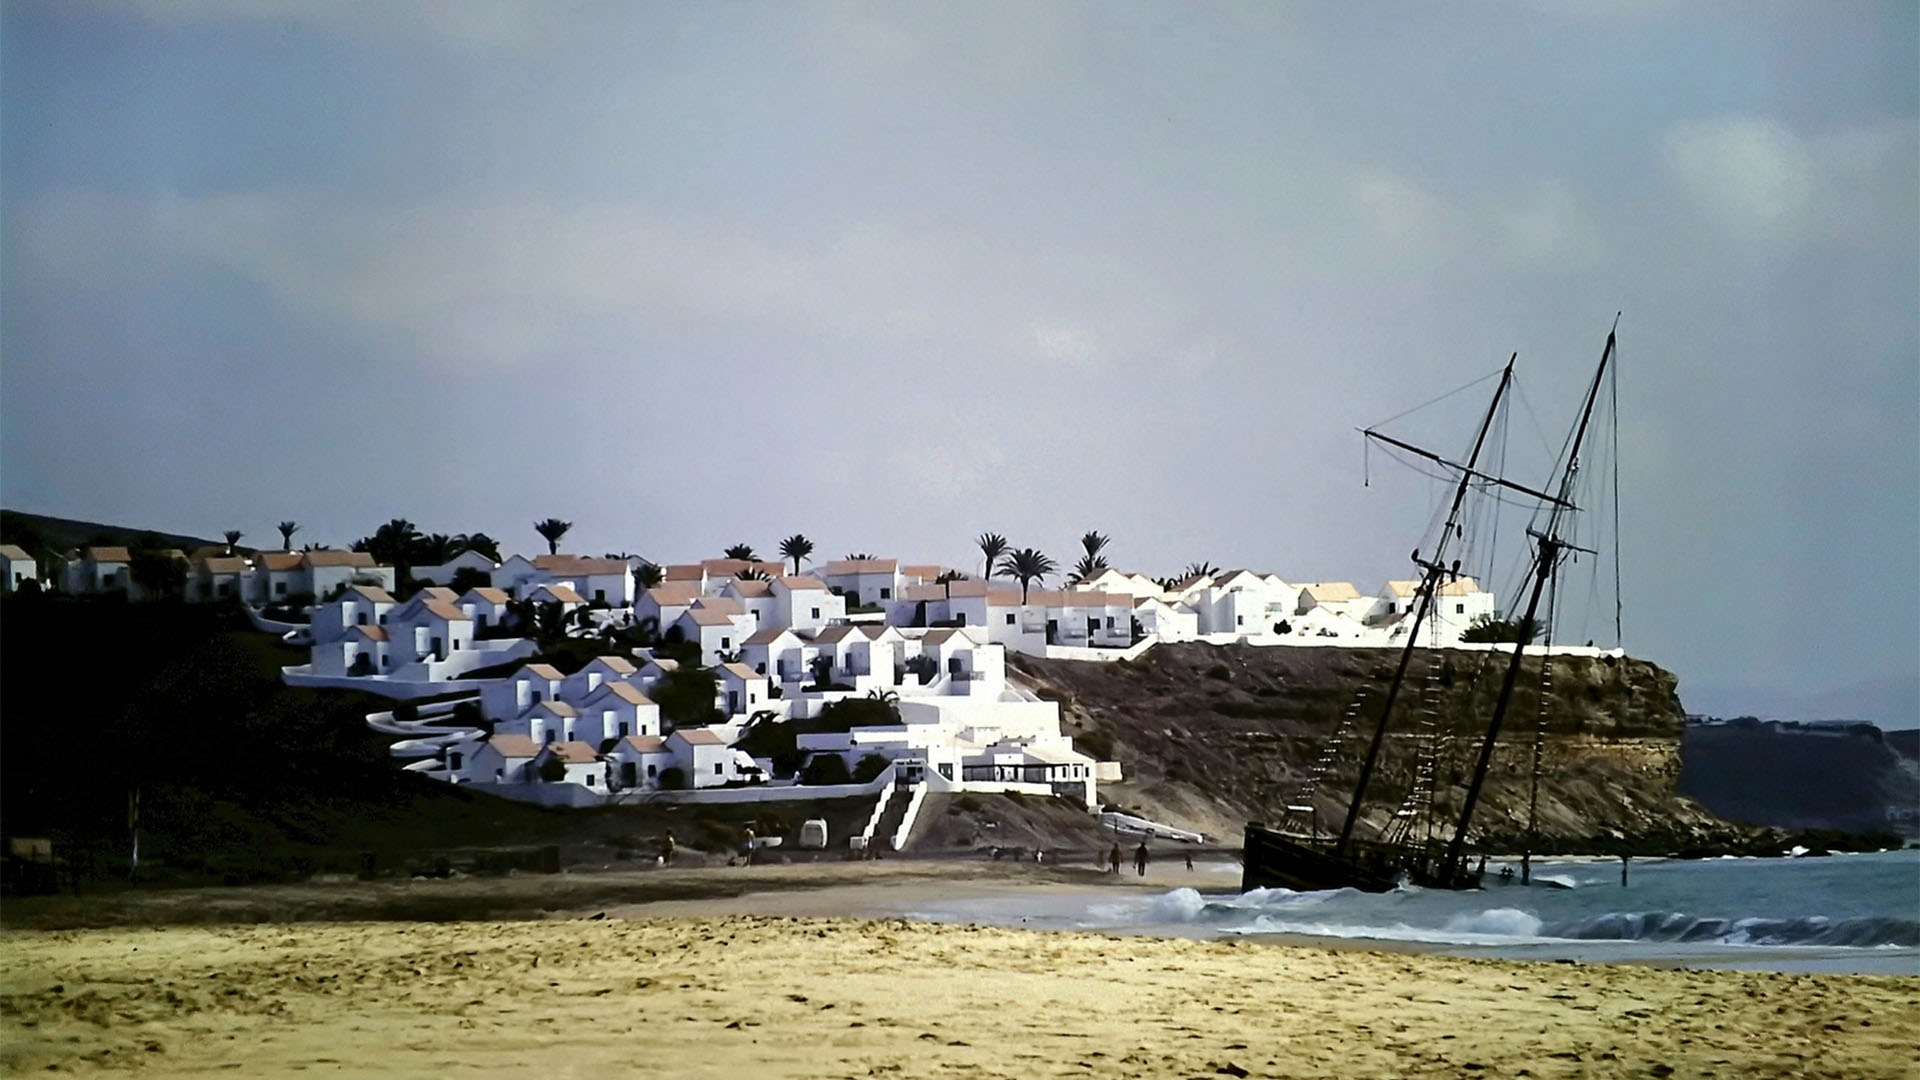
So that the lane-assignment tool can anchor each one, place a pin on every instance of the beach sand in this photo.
(704, 993)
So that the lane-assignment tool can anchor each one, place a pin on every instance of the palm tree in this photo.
(478, 543)
(992, 545)
(1092, 562)
(551, 530)
(861, 556)
(743, 552)
(434, 550)
(287, 529)
(1026, 566)
(233, 537)
(796, 547)
(648, 576)
(1203, 568)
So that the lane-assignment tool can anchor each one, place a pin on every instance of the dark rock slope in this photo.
(1211, 737)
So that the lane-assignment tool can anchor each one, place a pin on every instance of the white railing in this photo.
(879, 811)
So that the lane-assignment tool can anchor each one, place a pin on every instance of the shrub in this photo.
(553, 770)
(673, 778)
(1487, 628)
(868, 768)
(406, 712)
(468, 714)
(825, 769)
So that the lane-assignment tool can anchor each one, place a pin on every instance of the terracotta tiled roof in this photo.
(365, 592)
(925, 572)
(444, 610)
(744, 588)
(340, 558)
(565, 565)
(665, 663)
(766, 635)
(646, 744)
(1465, 586)
(554, 706)
(862, 566)
(683, 572)
(729, 604)
(487, 595)
(13, 553)
(106, 554)
(514, 745)
(560, 594)
(1326, 591)
(710, 617)
(618, 664)
(544, 671)
(626, 692)
(221, 564)
(573, 752)
(914, 594)
(833, 634)
(439, 592)
(674, 594)
(801, 583)
(375, 633)
(700, 737)
(278, 561)
(1403, 588)
(741, 671)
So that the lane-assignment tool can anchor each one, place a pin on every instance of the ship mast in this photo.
(1433, 569)
(1546, 562)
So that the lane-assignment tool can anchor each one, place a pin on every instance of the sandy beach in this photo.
(688, 987)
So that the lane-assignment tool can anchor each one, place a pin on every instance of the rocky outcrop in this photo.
(1211, 737)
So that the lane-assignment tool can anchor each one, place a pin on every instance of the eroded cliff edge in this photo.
(1212, 737)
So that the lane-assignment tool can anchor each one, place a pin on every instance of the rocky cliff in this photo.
(1211, 737)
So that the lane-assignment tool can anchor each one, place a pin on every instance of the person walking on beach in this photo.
(1140, 859)
(1189, 862)
(666, 849)
(749, 845)
(1113, 859)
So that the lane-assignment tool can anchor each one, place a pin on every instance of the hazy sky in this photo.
(890, 275)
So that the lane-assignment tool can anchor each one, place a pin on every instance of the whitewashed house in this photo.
(514, 695)
(776, 652)
(487, 607)
(1165, 622)
(280, 575)
(601, 581)
(551, 593)
(804, 604)
(704, 757)
(1336, 597)
(20, 568)
(100, 570)
(863, 582)
(615, 711)
(328, 570)
(427, 629)
(755, 597)
(715, 629)
(581, 762)
(547, 721)
(360, 605)
(744, 690)
(596, 673)
(357, 651)
(652, 670)
(637, 761)
(220, 577)
(665, 603)
(499, 759)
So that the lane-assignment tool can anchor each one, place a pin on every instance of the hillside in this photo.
(243, 779)
(1211, 737)
(1799, 779)
(37, 531)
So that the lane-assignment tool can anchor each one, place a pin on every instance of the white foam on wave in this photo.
(1500, 922)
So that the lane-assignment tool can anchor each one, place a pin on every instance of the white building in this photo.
(581, 764)
(637, 761)
(20, 568)
(443, 573)
(863, 582)
(803, 603)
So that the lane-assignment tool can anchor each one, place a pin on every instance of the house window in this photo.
(279, 588)
(499, 774)
(652, 771)
(1459, 609)
(716, 768)
(550, 734)
(386, 661)
(383, 618)
(623, 729)
(453, 760)
(726, 643)
(761, 668)
(1009, 618)
(1109, 622)
(886, 594)
(480, 620)
(816, 613)
(590, 782)
(360, 619)
(600, 595)
(536, 697)
(1239, 620)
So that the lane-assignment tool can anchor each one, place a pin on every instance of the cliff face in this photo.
(1212, 737)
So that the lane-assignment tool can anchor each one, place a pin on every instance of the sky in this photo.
(894, 275)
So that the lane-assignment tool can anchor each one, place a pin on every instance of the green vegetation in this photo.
(826, 769)
(1487, 628)
(551, 530)
(1026, 566)
(796, 547)
(686, 696)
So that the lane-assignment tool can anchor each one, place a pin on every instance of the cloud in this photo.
(486, 284)
(1755, 178)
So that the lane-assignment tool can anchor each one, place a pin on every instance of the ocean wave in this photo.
(1324, 914)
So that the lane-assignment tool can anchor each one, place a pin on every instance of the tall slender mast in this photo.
(1545, 563)
(1430, 581)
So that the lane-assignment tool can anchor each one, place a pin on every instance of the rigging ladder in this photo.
(1301, 812)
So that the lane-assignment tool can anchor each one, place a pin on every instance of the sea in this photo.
(1855, 913)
